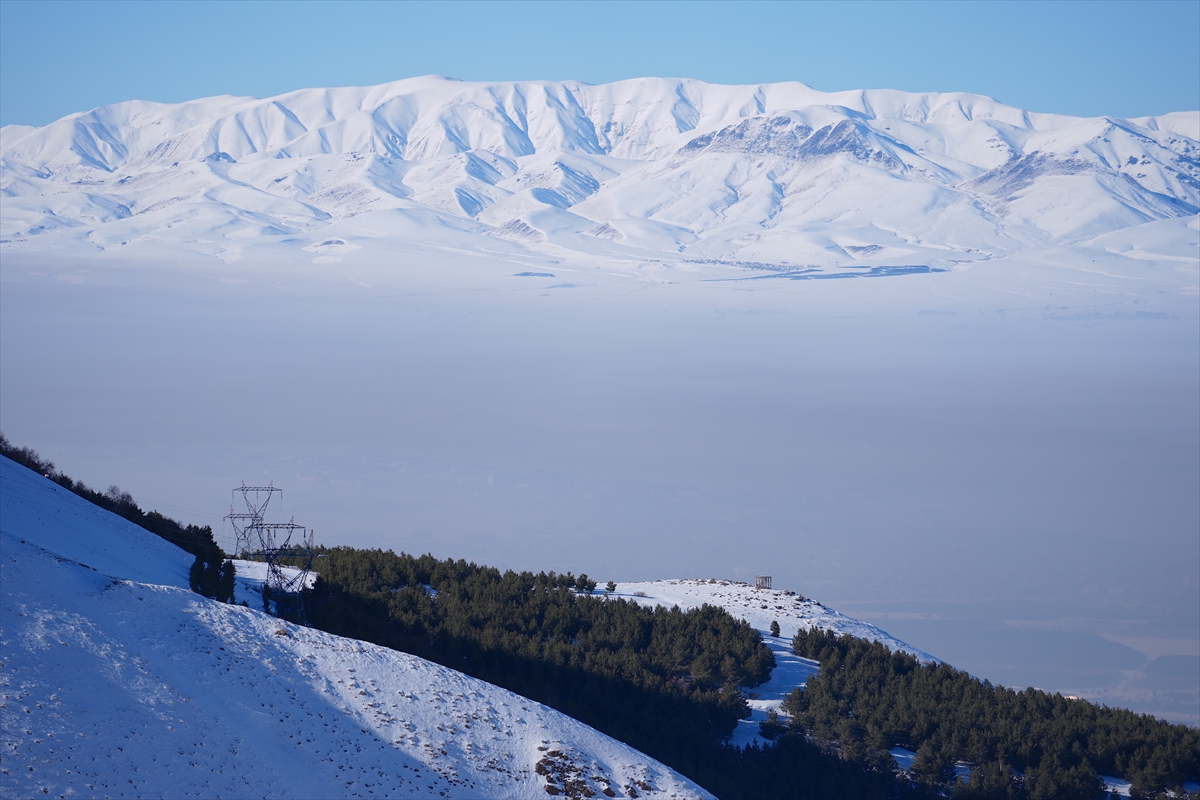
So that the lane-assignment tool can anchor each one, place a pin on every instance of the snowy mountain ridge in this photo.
(650, 168)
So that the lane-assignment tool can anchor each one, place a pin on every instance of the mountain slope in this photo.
(777, 173)
(761, 607)
(129, 687)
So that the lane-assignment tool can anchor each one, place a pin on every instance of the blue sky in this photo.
(1085, 58)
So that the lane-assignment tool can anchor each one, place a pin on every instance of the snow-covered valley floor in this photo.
(117, 681)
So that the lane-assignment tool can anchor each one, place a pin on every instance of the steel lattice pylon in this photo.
(273, 542)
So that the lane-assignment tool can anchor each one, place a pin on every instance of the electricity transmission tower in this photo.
(279, 544)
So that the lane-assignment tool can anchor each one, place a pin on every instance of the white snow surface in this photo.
(750, 177)
(759, 608)
(117, 681)
(251, 575)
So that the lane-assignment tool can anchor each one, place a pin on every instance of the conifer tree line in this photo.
(540, 631)
(867, 699)
(212, 574)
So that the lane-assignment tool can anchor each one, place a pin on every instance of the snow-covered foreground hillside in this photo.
(117, 681)
(761, 607)
(726, 180)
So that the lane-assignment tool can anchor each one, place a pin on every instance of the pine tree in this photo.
(225, 584)
(931, 767)
(771, 728)
(775, 627)
(196, 574)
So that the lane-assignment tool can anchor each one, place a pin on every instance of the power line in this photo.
(273, 542)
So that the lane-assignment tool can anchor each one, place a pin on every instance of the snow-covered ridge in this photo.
(775, 173)
(138, 687)
(761, 607)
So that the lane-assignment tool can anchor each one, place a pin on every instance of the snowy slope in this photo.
(117, 681)
(761, 607)
(776, 174)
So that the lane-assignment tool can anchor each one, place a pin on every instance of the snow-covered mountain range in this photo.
(778, 175)
(117, 681)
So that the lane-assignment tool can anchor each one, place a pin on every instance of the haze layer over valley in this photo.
(560, 326)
